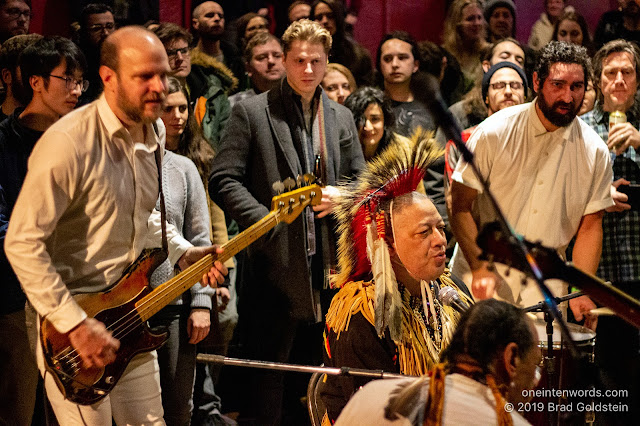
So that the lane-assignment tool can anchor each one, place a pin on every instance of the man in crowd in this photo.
(503, 85)
(299, 10)
(616, 75)
(621, 23)
(471, 110)
(273, 136)
(52, 69)
(96, 23)
(207, 80)
(501, 18)
(550, 173)
(398, 60)
(470, 387)
(15, 17)
(10, 72)
(263, 61)
(209, 24)
(86, 211)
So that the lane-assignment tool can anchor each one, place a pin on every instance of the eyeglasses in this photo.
(72, 84)
(172, 53)
(14, 13)
(500, 85)
(97, 28)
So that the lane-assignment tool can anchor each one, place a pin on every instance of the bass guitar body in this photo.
(116, 309)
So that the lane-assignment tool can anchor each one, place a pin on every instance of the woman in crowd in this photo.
(188, 317)
(338, 82)
(572, 28)
(344, 50)
(374, 119)
(465, 38)
(249, 25)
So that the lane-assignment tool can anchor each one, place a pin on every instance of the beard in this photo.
(135, 111)
(556, 118)
(211, 35)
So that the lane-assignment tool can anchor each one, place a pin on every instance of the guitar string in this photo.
(130, 318)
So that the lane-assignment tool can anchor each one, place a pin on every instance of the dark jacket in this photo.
(16, 144)
(257, 149)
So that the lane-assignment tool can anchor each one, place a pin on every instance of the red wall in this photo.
(422, 18)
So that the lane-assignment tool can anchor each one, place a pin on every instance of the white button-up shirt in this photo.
(544, 182)
(85, 212)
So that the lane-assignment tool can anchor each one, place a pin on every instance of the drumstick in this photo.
(603, 312)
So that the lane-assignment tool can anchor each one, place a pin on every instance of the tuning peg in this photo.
(300, 181)
(278, 187)
(289, 184)
(309, 178)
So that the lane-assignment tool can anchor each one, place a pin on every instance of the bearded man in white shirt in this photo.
(550, 173)
(86, 211)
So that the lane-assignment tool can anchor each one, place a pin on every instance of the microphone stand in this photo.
(453, 132)
(296, 368)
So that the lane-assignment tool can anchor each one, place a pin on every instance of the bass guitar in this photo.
(125, 308)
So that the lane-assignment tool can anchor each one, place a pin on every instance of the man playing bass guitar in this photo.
(86, 211)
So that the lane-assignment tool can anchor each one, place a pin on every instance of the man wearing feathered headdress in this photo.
(387, 315)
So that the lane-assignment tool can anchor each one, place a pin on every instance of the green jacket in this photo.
(212, 80)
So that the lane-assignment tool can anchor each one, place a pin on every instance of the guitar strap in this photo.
(163, 213)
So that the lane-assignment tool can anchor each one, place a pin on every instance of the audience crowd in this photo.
(264, 92)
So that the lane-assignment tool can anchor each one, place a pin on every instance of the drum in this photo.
(584, 338)
(563, 373)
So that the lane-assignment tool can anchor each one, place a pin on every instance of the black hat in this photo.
(504, 64)
(492, 4)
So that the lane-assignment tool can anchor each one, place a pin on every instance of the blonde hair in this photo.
(452, 40)
(306, 30)
(344, 71)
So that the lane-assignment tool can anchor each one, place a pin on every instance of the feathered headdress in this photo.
(363, 253)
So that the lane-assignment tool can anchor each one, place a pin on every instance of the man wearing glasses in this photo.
(208, 81)
(503, 85)
(52, 69)
(550, 173)
(15, 16)
(96, 23)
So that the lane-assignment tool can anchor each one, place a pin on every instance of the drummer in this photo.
(550, 174)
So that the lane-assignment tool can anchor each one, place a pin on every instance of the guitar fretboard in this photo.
(162, 295)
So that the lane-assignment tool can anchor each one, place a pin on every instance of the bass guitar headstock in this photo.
(289, 205)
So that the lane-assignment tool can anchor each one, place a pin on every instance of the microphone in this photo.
(426, 89)
(449, 296)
